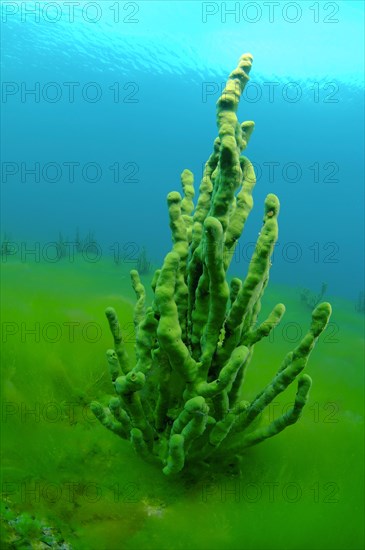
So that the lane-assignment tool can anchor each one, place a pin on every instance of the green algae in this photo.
(97, 493)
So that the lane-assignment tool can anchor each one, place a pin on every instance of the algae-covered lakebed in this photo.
(69, 483)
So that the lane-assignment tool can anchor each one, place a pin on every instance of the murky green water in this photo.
(302, 489)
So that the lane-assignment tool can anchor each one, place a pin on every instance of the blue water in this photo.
(134, 85)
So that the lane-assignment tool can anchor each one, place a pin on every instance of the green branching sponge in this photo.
(183, 401)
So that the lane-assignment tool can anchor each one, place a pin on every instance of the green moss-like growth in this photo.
(182, 401)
